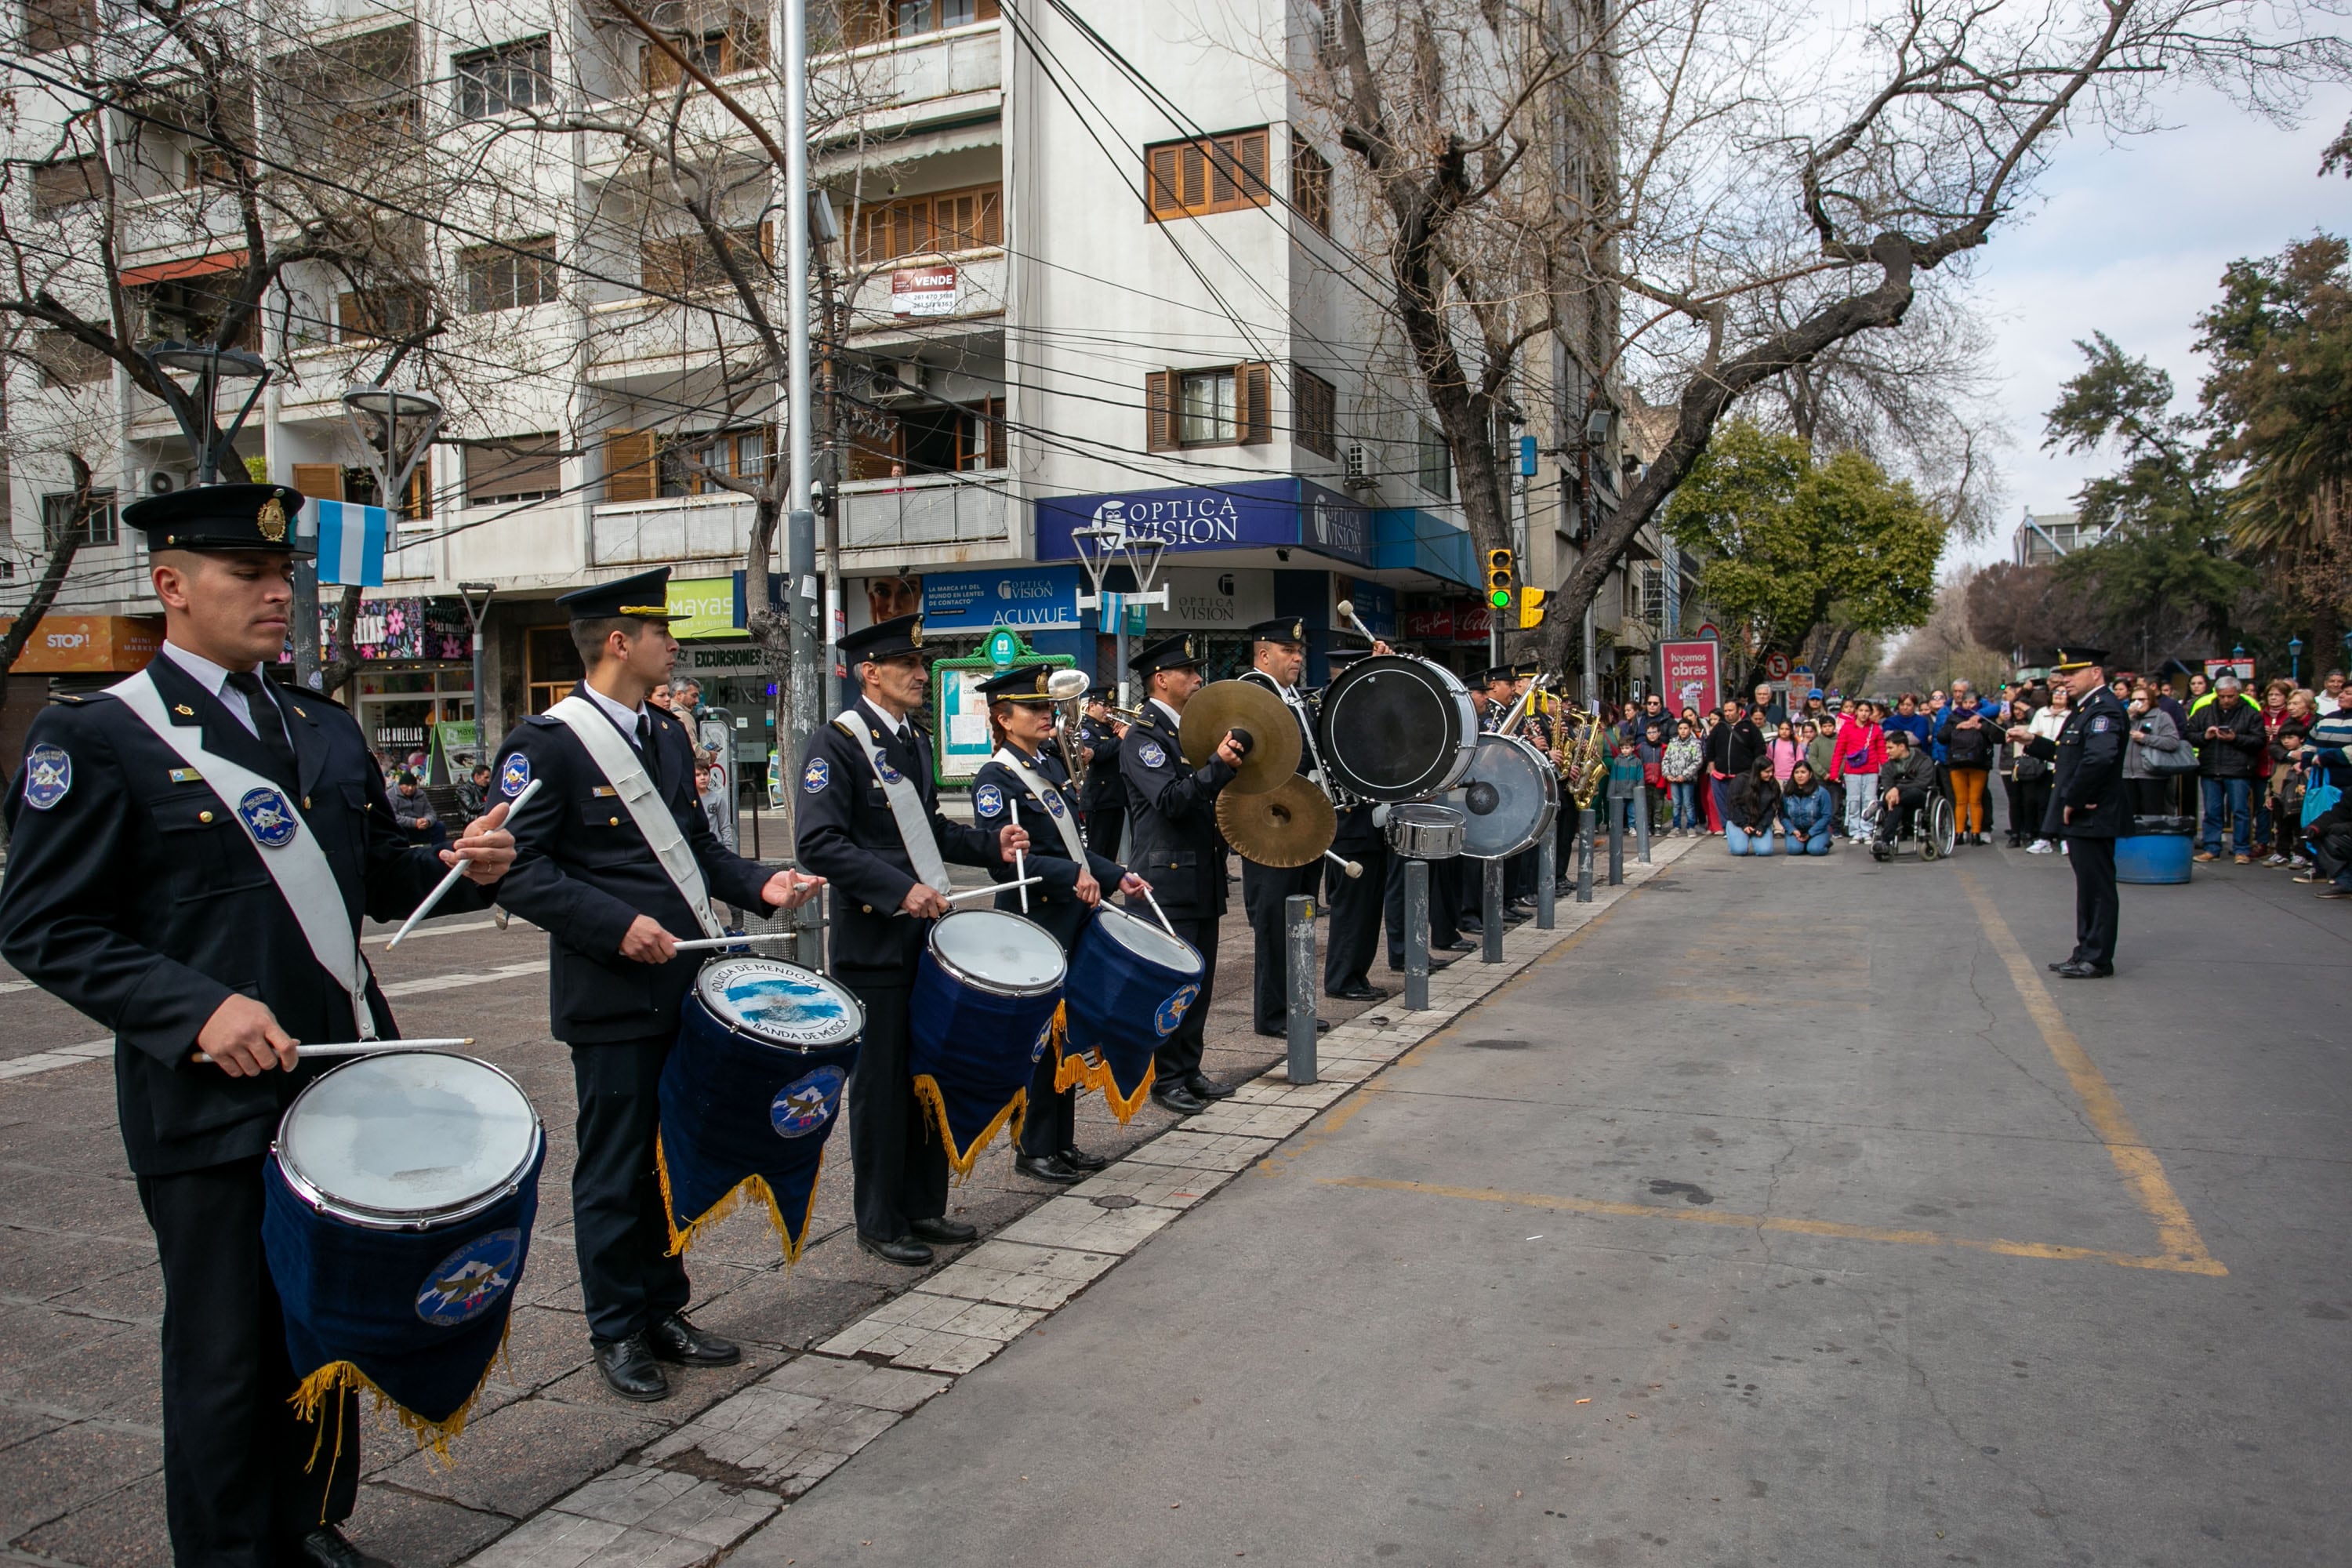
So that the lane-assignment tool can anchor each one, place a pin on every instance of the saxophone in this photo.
(1583, 757)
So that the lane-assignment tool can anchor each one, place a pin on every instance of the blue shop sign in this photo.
(1251, 514)
(1375, 605)
(1017, 596)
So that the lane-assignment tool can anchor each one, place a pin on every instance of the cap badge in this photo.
(271, 520)
(1188, 648)
(915, 634)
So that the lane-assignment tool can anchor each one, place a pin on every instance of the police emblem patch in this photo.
(988, 800)
(806, 1104)
(2102, 724)
(817, 775)
(1054, 802)
(1171, 1012)
(48, 773)
(268, 818)
(1153, 757)
(890, 775)
(514, 776)
(1044, 1037)
(468, 1281)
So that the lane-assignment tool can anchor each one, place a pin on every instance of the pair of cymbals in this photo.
(1270, 758)
(1290, 825)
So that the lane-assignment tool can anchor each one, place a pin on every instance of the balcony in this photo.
(923, 80)
(929, 510)
(979, 294)
(681, 529)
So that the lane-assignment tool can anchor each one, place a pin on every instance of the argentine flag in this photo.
(351, 542)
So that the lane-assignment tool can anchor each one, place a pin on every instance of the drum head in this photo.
(1148, 940)
(1508, 799)
(1395, 728)
(993, 950)
(778, 1003)
(408, 1133)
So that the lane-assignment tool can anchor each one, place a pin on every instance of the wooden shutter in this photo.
(320, 481)
(986, 11)
(1253, 405)
(630, 465)
(419, 500)
(1310, 184)
(1159, 411)
(1249, 150)
(1167, 196)
(996, 432)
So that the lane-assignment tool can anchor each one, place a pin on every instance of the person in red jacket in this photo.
(1861, 749)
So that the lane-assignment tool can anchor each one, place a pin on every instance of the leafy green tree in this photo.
(1791, 544)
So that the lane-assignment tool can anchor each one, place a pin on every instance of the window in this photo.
(968, 220)
(67, 361)
(190, 309)
(689, 458)
(59, 24)
(1314, 413)
(360, 488)
(67, 182)
(1434, 464)
(686, 264)
(928, 440)
(1224, 406)
(1214, 175)
(879, 21)
(205, 166)
(88, 517)
(509, 76)
(738, 45)
(1310, 184)
(518, 468)
(550, 666)
(509, 277)
(375, 313)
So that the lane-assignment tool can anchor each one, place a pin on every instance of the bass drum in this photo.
(1508, 800)
(1396, 728)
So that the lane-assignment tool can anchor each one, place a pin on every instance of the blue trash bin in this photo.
(2157, 853)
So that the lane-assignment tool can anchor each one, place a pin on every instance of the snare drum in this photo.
(1130, 984)
(397, 1207)
(1424, 832)
(1508, 800)
(1396, 728)
(751, 1093)
(981, 1017)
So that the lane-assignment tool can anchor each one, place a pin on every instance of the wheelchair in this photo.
(1933, 828)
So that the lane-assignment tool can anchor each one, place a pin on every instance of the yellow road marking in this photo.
(2142, 1172)
(2166, 1264)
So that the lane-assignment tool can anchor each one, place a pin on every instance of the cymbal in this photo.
(1221, 705)
(1283, 827)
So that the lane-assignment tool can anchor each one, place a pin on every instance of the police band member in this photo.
(870, 822)
(1025, 785)
(2090, 804)
(1102, 805)
(1277, 658)
(1176, 847)
(1520, 870)
(615, 861)
(1355, 902)
(166, 837)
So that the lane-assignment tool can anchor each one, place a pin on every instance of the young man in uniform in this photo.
(164, 834)
(1355, 902)
(868, 821)
(2090, 804)
(1172, 817)
(616, 862)
(1102, 803)
(1277, 658)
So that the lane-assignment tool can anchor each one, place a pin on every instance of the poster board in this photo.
(1690, 675)
(960, 742)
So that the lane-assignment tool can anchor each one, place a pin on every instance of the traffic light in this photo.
(1499, 579)
(1531, 607)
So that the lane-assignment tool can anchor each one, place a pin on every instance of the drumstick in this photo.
(698, 943)
(1158, 910)
(361, 1047)
(455, 871)
(1020, 861)
(1353, 867)
(991, 891)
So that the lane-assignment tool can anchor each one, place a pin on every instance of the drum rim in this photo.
(833, 986)
(1544, 817)
(319, 1201)
(995, 988)
(1443, 775)
(1200, 965)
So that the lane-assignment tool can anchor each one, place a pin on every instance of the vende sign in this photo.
(923, 291)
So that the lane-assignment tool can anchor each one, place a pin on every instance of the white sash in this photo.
(905, 805)
(1036, 785)
(625, 772)
(295, 862)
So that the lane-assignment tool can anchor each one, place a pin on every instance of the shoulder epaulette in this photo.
(855, 732)
(542, 719)
(73, 698)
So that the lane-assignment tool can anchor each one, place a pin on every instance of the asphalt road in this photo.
(1791, 1214)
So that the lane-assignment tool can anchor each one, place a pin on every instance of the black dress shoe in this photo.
(1457, 945)
(628, 1369)
(952, 1231)
(2079, 970)
(1178, 1099)
(326, 1548)
(2055, 964)
(1079, 1160)
(1322, 1027)
(1203, 1087)
(679, 1343)
(1360, 993)
(905, 1250)
(1047, 1168)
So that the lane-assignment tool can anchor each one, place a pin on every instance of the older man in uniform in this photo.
(868, 821)
(617, 863)
(2090, 804)
(1355, 902)
(1176, 848)
(177, 844)
(1277, 658)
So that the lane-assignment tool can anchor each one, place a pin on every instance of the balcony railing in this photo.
(937, 508)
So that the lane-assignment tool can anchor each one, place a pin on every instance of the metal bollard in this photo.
(1586, 825)
(1642, 828)
(1547, 872)
(1299, 909)
(1616, 843)
(1416, 936)
(1490, 912)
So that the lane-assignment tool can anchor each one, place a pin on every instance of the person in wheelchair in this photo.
(1903, 784)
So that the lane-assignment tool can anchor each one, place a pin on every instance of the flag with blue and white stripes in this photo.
(351, 542)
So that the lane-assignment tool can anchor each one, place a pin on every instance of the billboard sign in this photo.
(1690, 675)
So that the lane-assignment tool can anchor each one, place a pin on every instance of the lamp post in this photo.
(396, 428)
(1099, 548)
(2294, 661)
(211, 364)
(478, 615)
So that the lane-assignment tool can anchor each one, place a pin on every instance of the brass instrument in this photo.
(1579, 750)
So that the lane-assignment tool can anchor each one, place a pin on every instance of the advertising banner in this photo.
(709, 606)
(1247, 514)
(1690, 675)
(1031, 597)
(74, 645)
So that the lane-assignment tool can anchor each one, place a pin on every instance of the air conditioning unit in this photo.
(1360, 467)
(896, 381)
(161, 481)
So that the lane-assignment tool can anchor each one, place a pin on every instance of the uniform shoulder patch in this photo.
(817, 775)
(988, 800)
(48, 774)
(2102, 724)
(514, 775)
(1151, 755)
(545, 721)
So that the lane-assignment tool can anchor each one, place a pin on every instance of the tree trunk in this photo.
(53, 576)
(1826, 671)
(337, 672)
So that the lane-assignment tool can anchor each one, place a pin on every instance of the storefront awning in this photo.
(1407, 539)
(187, 267)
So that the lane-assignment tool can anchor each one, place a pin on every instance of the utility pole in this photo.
(801, 607)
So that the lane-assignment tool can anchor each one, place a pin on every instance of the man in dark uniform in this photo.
(1172, 827)
(591, 871)
(1355, 902)
(1102, 803)
(868, 821)
(1277, 658)
(160, 832)
(2090, 804)
(1025, 785)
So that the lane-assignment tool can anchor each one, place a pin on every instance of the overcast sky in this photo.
(2130, 239)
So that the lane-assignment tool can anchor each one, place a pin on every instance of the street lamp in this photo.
(395, 429)
(2294, 661)
(211, 364)
(465, 591)
(1099, 547)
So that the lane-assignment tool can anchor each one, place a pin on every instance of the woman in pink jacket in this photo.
(1861, 747)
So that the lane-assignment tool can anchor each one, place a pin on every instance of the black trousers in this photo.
(236, 1493)
(2019, 827)
(1354, 932)
(1264, 890)
(897, 1159)
(1179, 1055)
(1050, 1123)
(1450, 913)
(1519, 877)
(1441, 929)
(1900, 818)
(628, 1282)
(2153, 796)
(2035, 804)
(2096, 908)
(1103, 825)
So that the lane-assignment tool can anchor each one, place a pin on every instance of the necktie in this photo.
(268, 726)
(646, 747)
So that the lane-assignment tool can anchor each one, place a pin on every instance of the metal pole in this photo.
(802, 610)
(1546, 873)
(1416, 936)
(1641, 826)
(1616, 843)
(1298, 909)
(1490, 912)
(1585, 827)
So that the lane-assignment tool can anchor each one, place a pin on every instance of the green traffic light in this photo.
(1500, 598)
